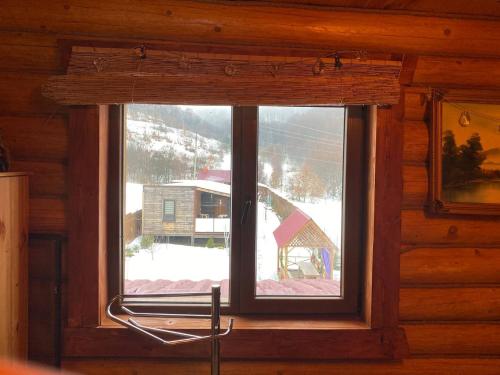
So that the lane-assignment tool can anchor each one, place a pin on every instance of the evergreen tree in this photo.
(471, 157)
(450, 157)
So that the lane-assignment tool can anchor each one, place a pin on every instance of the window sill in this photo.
(253, 337)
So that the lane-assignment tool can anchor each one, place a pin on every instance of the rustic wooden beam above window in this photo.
(138, 75)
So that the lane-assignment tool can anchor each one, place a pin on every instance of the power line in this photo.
(302, 137)
(304, 127)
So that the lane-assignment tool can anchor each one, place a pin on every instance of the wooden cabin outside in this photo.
(197, 210)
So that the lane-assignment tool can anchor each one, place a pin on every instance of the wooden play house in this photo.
(300, 231)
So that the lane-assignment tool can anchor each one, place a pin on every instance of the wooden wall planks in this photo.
(29, 52)
(407, 367)
(449, 266)
(440, 339)
(44, 299)
(419, 228)
(36, 137)
(430, 266)
(416, 142)
(20, 93)
(456, 72)
(450, 304)
(257, 24)
(48, 215)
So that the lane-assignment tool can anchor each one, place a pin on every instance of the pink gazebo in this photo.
(299, 230)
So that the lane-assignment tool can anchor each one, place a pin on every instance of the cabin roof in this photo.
(211, 186)
(217, 175)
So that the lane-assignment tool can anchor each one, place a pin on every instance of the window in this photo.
(168, 210)
(266, 201)
(372, 332)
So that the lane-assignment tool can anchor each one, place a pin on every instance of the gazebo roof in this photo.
(299, 230)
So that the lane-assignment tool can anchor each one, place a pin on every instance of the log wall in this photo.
(450, 267)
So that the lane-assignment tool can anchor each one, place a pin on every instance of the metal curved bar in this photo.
(163, 315)
(147, 331)
(186, 340)
(127, 324)
(161, 330)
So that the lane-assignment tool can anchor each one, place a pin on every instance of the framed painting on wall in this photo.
(465, 155)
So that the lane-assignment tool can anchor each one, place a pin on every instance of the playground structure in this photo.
(296, 232)
(300, 231)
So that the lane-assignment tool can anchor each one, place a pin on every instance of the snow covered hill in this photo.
(152, 136)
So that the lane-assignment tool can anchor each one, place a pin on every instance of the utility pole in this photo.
(195, 155)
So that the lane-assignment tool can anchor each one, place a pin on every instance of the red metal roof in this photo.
(217, 175)
(264, 287)
(290, 227)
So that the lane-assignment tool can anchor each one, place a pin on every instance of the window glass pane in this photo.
(177, 199)
(168, 210)
(299, 211)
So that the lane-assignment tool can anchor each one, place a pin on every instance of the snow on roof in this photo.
(217, 175)
(133, 197)
(290, 227)
(217, 187)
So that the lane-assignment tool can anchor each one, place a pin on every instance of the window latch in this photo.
(246, 208)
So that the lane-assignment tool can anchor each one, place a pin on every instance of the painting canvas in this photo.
(470, 154)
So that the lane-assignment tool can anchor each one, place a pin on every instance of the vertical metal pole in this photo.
(215, 329)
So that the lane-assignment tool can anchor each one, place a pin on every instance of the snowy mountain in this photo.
(160, 151)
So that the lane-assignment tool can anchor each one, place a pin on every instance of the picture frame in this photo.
(465, 152)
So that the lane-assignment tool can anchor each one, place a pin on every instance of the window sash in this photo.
(353, 204)
(242, 297)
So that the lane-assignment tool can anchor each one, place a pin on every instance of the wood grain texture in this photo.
(48, 215)
(284, 343)
(414, 103)
(20, 93)
(44, 299)
(415, 185)
(420, 228)
(386, 218)
(449, 304)
(437, 366)
(29, 52)
(14, 192)
(23, 135)
(454, 338)
(487, 8)
(87, 192)
(256, 24)
(450, 266)
(46, 178)
(439, 260)
(220, 89)
(457, 72)
(416, 142)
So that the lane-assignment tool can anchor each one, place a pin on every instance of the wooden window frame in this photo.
(243, 246)
(373, 333)
(354, 151)
(167, 218)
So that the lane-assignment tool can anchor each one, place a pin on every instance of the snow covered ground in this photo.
(178, 262)
(182, 262)
(267, 249)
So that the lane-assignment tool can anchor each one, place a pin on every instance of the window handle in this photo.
(246, 208)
